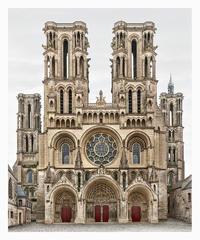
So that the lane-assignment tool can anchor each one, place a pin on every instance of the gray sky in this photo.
(25, 39)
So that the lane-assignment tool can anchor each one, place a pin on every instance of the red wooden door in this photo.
(97, 213)
(136, 214)
(66, 214)
(105, 213)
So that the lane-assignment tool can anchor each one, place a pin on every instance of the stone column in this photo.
(123, 213)
(154, 212)
(80, 218)
(49, 219)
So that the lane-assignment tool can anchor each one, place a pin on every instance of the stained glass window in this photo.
(65, 153)
(29, 176)
(101, 148)
(136, 153)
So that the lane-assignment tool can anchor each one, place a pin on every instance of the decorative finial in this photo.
(170, 85)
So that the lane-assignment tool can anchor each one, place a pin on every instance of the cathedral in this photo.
(99, 162)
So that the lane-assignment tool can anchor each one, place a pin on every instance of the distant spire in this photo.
(170, 85)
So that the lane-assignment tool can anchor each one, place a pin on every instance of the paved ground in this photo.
(171, 225)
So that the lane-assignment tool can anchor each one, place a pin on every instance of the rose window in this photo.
(101, 148)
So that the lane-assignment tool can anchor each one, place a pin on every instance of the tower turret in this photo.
(171, 107)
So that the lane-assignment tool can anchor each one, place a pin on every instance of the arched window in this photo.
(20, 202)
(65, 153)
(145, 67)
(173, 135)
(169, 135)
(130, 108)
(76, 68)
(174, 155)
(22, 122)
(79, 181)
(29, 176)
(169, 154)
(134, 59)
(48, 66)
(29, 115)
(148, 37)
(124, 180)
(70, 100)
(61, 102)
(10, 189)
(81, 66)
(123, 66)
(170, 179)
(78, 39)
(139, 101)
(53, 67)
(151, 67)
(118, 66)
(32, 143)
(136, 153)
(26, 143)
(65, 59)
(171, 114)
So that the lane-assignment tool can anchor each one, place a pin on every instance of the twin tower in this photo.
(134, 93)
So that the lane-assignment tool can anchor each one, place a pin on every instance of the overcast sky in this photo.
(25, 40)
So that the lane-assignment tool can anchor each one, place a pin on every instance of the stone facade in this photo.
(19, 206)
(180, 200)
(99, 161)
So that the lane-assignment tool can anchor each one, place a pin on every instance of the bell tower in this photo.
(28, 130)
(66, 71)
(172, 108)
(134, 84)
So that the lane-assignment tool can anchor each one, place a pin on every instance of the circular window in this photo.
(101, 148)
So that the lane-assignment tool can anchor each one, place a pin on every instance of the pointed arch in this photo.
(29, 116)
(65, 58)
(73, 123)
(139, 101)
(145, 67)
(32, 143)
(61, 101)
(117, 66)
(26, 143)
(29, 176)
(134, 58)
(70, 100)
(82, 66)
(57, 123)
(130, 107)
(53, 66)
(171, 114)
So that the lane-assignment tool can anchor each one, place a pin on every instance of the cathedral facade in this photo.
(99, 162)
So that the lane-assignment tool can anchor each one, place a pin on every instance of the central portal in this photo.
(101, 203)
(101, 213)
